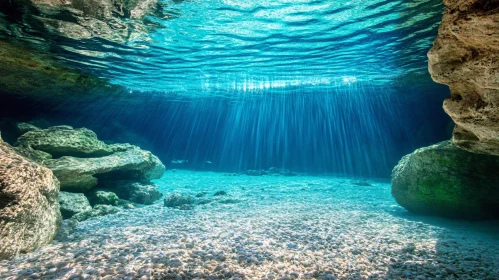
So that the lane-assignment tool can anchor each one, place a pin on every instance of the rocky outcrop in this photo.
(465, 56)
(73, 203)
(65, 141)
(81, 158)
(444, 180)
(81, 174)
(29, 210)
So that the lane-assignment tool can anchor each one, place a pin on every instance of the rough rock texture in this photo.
(465, 56)
(29, 211)
(179, 200)
(80, 174)
(133, 191)
(444, 180)
(98, 210)
(102, 197)
(65, 141)
(29, 73)
(73, 203)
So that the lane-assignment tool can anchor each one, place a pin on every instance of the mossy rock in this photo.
(443, 180)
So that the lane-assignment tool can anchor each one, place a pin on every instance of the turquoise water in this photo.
(225, 47)
(270, 227)
(333, 93)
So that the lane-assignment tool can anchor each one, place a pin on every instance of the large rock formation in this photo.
(444, 180)
(85, 159)
(81, 174)
(465, 56)
(65, 141)
(29, 211)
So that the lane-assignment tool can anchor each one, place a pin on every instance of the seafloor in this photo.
(268, 227)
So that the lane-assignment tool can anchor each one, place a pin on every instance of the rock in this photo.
(362, 183)
(34, 155)
(67, 228)
(98, 210)
(102, 197)
(444, 180)
(133, 191)
(220, 193)
(23, 128)
(201, 194)
(73, 203)
(465, 56)
(29, 211)
(80, 174)
(65, 141)
(177, 200)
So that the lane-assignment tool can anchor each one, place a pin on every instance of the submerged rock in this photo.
(73, 203)
(465, 57)
(29, 211)
(97, 211)
(67, 228)
(80, 174)
(220, 193)
(134, 192)
(65, 141)
(178, 200)
(444, 180)
(102, 197)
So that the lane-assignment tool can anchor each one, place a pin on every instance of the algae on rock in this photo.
(444, 180)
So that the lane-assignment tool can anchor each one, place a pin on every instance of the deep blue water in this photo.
(314, 86)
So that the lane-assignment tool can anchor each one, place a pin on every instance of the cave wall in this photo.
(465, 56)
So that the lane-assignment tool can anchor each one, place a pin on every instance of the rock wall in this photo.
(29, 210)
(465, 56)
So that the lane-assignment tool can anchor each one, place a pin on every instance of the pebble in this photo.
(284, 232)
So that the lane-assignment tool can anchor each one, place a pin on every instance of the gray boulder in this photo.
(73, 203)
(444, 180)
(29, 211)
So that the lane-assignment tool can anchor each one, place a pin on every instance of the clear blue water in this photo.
(233, 47)
(337, 87)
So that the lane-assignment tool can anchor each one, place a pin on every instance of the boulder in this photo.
(65, 141)
(29, 210)
(444, 180)
(102, 197)
(73, 203)
(465, 56)
(134, 191)
(179, 200)
(81, 174)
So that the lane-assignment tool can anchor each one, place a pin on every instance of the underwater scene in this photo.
(230, 139)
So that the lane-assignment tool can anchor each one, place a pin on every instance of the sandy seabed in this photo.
(268, 227)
